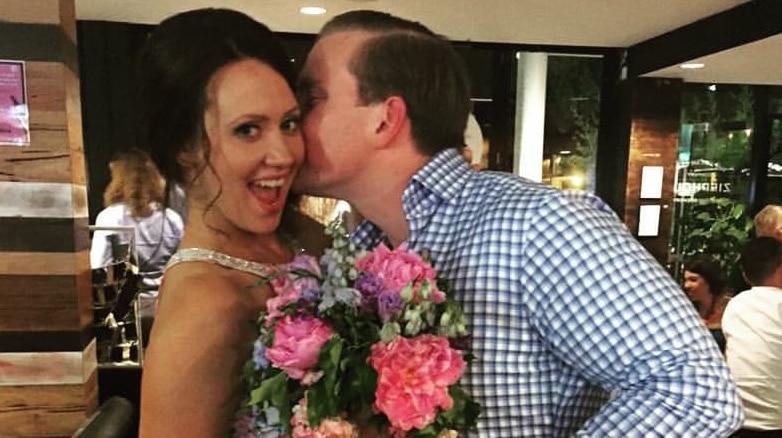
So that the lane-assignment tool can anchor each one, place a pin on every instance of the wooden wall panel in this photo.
(45, 407)
(48, 369)
(654, 139)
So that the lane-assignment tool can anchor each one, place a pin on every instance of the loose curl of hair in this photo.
(135, 182)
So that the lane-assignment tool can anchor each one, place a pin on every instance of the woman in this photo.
(706, 286)
(220, 119)
(133, 199)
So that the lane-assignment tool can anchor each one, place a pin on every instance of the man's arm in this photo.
(623, 323)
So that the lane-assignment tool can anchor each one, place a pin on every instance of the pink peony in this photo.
(328, 428)
(413, 379)
(297, 342)
(399, 267)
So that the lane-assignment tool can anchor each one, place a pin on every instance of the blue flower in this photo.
(259, 355)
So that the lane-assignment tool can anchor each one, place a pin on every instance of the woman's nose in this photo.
(281, 153)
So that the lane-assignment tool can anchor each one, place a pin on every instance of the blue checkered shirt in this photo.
(578, 331)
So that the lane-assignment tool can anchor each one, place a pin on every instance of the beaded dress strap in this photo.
(208, 255)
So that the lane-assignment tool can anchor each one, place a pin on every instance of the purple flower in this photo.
(305, 262)
(311, 295)
(370, 286)
(389, 303)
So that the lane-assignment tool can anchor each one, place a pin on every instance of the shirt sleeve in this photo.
(607, 309)
(100, 247)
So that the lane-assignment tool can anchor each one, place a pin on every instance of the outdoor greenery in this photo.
(718, 227)
(717, 223)
(573, 108)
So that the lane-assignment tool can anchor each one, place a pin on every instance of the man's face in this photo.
(336, 125)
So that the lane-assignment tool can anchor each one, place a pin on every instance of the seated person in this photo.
(706, 286)
(752, 324)
(134, 199)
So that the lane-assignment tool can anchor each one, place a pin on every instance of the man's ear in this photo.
(392, 118)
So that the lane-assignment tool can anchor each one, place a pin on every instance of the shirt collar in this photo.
(441, 179)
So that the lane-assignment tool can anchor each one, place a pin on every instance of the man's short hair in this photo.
(768, 220)
(760, 258)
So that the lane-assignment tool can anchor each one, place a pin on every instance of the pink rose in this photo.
(413, 379)
(297, 343)
(399, 267)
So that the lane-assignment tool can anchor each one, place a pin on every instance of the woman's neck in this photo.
(262, 248)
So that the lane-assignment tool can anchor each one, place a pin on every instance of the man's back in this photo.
(753, 327)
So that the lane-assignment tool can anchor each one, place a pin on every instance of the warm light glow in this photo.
(692, 65)
(565, 152)
(312, 10)
(577, 181)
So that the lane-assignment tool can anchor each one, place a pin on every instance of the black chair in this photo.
(116, 418)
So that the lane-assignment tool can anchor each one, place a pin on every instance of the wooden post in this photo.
(48, 370)
(654, 140)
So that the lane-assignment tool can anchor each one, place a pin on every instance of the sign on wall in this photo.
(14, 113)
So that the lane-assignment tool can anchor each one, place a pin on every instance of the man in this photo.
(752, 324)
(564, 306)
(768, 222)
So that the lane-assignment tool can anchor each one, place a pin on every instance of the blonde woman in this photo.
(134, 200)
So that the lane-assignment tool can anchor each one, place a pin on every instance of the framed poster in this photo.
(649, 221)
(652, 182)
(14, 113)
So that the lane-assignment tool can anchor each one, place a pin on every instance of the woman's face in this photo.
(255, 147)
(695, 286)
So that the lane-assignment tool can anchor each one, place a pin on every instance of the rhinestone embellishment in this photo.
(208, 255)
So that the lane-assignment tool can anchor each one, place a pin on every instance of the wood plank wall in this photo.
(48, 370)
(654, 140)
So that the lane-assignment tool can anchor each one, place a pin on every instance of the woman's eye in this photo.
(291, 124)
(247, 130)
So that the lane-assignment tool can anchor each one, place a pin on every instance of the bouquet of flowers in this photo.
(359, 339)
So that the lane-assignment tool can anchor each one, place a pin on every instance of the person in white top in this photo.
(133, 200)
(752, 323)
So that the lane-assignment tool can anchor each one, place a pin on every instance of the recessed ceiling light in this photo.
(312, 10)
(692, 65)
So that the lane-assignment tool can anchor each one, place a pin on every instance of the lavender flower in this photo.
(311, 295)
(370, 286)
(389, 304)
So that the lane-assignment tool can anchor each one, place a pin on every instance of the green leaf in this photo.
(323, 395)
(464, 412)
(274, 391)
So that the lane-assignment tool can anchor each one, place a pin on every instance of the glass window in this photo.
(571, 121)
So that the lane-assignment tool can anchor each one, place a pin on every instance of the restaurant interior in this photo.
(667, 110)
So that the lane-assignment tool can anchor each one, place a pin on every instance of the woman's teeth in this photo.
(269, 184)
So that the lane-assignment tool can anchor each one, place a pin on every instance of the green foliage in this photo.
(274, 391)
(721, 116)
(718, 227)
(573, 104)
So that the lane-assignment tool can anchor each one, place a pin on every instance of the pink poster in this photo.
(14, 115)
